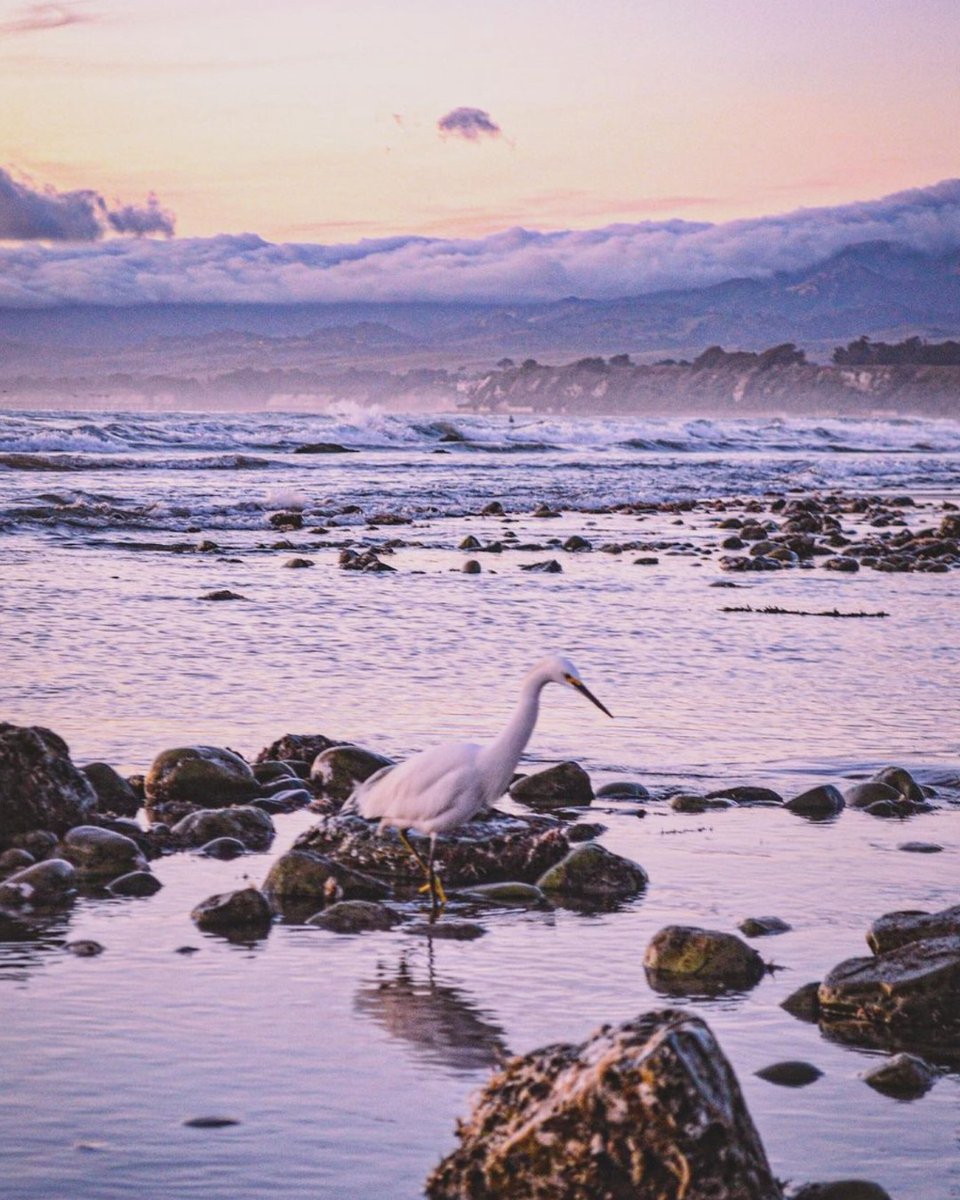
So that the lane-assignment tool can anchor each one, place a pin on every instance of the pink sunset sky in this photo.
(308, 122)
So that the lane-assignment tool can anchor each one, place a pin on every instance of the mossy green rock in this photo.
(338, 770)
(591, 872)
(684, 957)
(204, 776)
(100, 853)
(355, 916)
(305, 876)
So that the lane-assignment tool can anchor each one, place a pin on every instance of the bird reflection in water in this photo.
(441, 1023)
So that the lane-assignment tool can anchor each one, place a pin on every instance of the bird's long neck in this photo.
(500, 758)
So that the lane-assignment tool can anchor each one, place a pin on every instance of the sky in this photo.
(308, 122)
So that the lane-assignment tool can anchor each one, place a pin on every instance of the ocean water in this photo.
(347, 1060)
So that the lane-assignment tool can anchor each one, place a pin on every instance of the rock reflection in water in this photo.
(441, 1023)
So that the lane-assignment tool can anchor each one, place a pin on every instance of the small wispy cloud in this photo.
(33, 18)
(28, 213)
(471, 124)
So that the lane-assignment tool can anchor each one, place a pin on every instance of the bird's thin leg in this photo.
(438, 897)
(409, 845)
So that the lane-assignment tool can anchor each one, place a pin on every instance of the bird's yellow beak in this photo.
(585, 691)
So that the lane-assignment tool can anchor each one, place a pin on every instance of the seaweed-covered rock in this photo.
(591, 872)
(490, 848)
(45, 884)
(100, 853)
(566, 785)
(246, 824)
(647, 1110)
(907, 996)
(245, 911)
(338, 770)
(896, 929)
(305, 878)
(114, 793)
(818, 802)
(302, 747)
(201, 776)
(683, 958)
(355, 916)
(40, 788)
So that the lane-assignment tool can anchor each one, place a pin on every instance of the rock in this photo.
(471, 567)
(45, 884)
(274, 771)
(549, 566)
(861, 795)
(324, 448)
(84, 948)
(902, 1075)
(841, 1189)
(40, 843)
(136, 883)
(203, 776)
(576, 544)
(896, 929)
(683, 958)
(748, 797)
(490, 848)
(295, 564)
(40, 788)
(493, 509)
(355, 916)
(622, 789)
(586, 831)
(223, 848)
(450, 929)
(211, 1122)
(804, 1003)
(337, 771)
(763, 926)
(909, 995)
(222, 594)
(818, 802)
(248, 825)
(686, 802)
(245, 911)
(114, 793)
(300, 747)
(366, 560)
(564, 786)
(591, 872)
(790, 1073)
(510, 892)
(304, 877)
(920, 847)
(647, 1109)
(902, 782)
(100, 853)
(14, 860)
(841, 562)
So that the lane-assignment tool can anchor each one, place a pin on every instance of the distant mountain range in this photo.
(883, 290)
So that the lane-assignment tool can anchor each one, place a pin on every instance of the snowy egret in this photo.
(439, 789)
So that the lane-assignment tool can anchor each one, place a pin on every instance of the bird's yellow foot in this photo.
(439, 892)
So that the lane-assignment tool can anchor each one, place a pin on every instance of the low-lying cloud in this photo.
(28, 213)
(471, 124)
(511, 267)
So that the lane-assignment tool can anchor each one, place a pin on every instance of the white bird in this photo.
(439, 789)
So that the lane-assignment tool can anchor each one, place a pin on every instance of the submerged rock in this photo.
(566, 785)
(355, 916)
(204, 776)
(450, 930)
(623, 789)
(748, 796)
(40, 788)
(841, 1189)
(244, 823)
(223, 848)
(648, 1110)
(790, 1073)
(136, 883)
(896, 929)
(337, 771)
(684, 958)
(100, 853)
(763, 926)
(244, 911)
(490, 848)
(510, 892)
(114, 793)
(591, 872)
(45, 884)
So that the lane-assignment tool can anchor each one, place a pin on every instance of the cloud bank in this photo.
(32, 214)
(471, 124)
(511, 267)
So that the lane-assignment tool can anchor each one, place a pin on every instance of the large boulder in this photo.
(566, 785)
(40, 788)
(190, 777)
(685, 959)
(246, 824)
(114, 793)
(896, 929)
(100, 853)
(647, 1110)
(591, 872)
(338, 770)
(492, 847)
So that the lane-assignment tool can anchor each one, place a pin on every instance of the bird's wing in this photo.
(422, 789)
